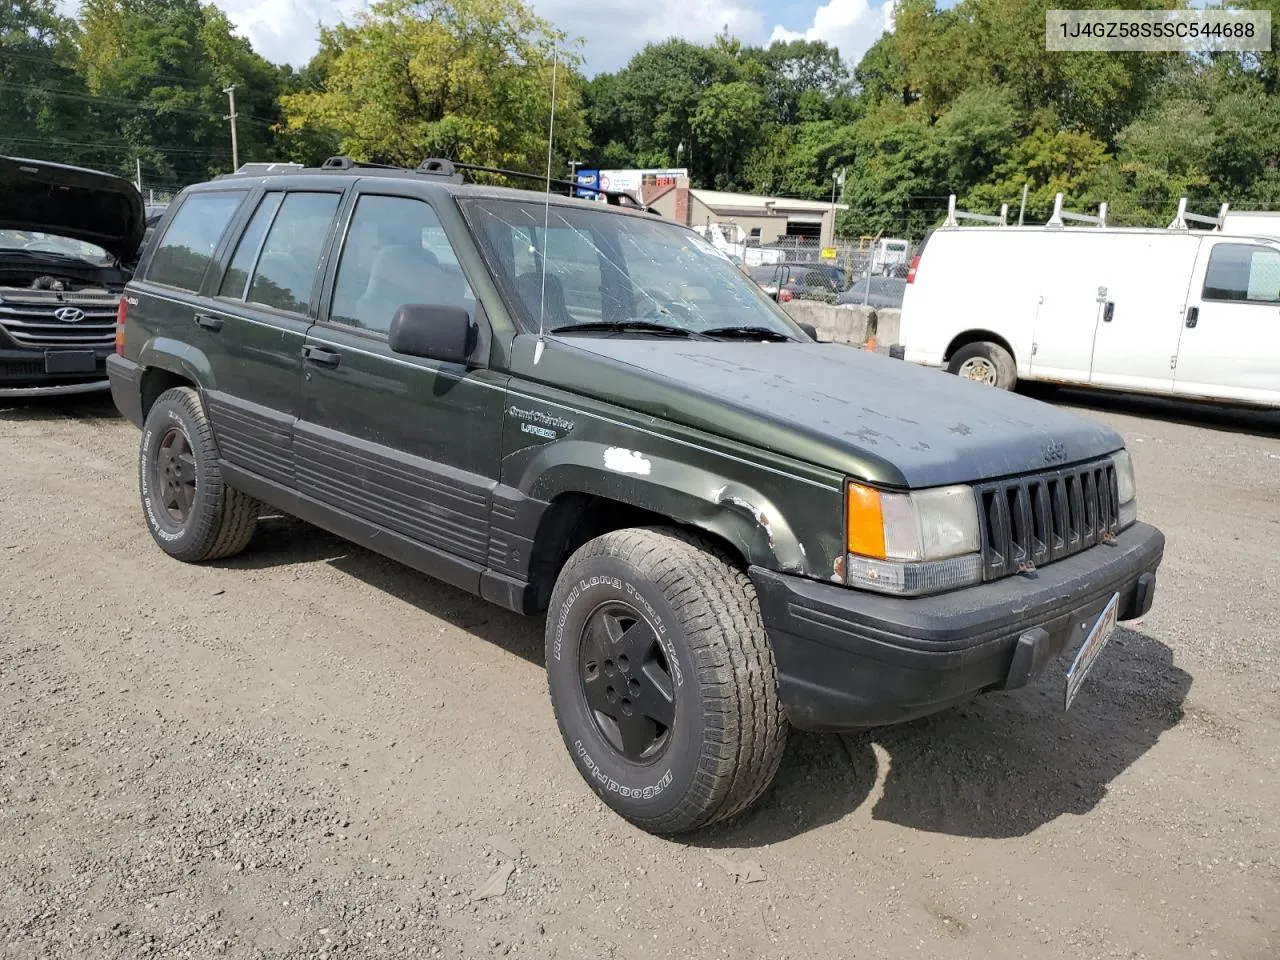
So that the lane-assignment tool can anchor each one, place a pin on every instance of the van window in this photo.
(286, 269)
(1243, 272)
(187, 247)
(395, 253)
(236, 280)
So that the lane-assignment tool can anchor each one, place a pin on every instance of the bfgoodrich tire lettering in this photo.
(727, 729)
(205, 519)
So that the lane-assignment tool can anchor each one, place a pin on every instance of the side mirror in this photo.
(810, 329)
(432, 331)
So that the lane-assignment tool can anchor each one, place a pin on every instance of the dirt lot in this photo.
(310, 751)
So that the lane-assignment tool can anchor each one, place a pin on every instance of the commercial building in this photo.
(762, 220)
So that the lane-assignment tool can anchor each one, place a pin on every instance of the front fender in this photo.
(696, 495)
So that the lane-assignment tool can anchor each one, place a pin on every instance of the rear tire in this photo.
(191, 512)
(662, 679)
(985, 362)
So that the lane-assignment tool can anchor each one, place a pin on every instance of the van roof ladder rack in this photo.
(1180, 222)
(954, 216)
(1060, 216)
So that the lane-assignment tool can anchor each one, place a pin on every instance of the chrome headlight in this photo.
(908, 544)
(1126, 488)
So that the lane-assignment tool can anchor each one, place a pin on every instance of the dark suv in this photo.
(68, 238)
(584, 411)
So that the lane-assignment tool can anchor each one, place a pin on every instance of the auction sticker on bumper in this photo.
(1091, 648)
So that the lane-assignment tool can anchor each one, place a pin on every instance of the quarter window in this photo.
(396, 252)
(1243, 272)
(286, 268)
(187, 247)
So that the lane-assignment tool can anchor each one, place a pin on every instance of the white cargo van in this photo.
(888, 253)
(1176, 312)
(1253, 223)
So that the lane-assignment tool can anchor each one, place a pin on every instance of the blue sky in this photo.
(611, 30)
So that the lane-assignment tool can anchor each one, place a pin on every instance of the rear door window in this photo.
(236, 280)
(286, 269)
(187, 247)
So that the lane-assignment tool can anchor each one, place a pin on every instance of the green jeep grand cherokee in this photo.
(583, 411)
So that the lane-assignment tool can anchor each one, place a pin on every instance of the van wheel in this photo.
(191, 513)
(662, 679)
(985, 362)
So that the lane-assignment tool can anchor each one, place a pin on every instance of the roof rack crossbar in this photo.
(617, 198)
(1183, 220)
(1060, 216)
(954, 216)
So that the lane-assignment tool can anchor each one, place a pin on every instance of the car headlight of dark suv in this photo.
(909, 543)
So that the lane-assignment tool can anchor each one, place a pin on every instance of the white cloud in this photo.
(287, 31)
(851, 26)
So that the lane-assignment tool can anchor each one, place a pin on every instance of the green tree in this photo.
(470, 80)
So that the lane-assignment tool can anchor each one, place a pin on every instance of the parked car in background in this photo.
(1174, 312)
(880, 292)
(587, 413)
(68, 238)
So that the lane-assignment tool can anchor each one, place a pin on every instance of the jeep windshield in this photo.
(614, 274)
(51, 247)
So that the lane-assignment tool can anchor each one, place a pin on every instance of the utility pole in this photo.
(235, 149)
(138, 182)
(1022, 209)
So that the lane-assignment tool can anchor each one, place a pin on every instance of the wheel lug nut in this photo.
(611, 695)
(633, 687)
(626, 708)
(624, 663)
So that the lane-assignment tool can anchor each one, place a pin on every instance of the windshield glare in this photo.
(604, 267)
(34, 242)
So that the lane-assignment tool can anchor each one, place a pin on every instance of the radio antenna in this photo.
(546, 214)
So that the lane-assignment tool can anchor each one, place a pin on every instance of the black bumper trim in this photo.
(848, 659)
(125, 378)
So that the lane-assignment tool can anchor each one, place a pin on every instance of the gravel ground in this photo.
(309, 751)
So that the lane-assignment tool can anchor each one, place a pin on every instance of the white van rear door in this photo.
(1145, 280)
(1230, 344)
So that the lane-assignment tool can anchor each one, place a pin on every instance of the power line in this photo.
(116, 101)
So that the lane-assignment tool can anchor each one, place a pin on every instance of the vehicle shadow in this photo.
(283, 540)
(998, 767)
(77, 406)
(1250, 420)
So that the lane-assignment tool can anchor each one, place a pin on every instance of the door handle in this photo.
(1193, 316)
(1108, 311)
(209, 322)
(321, 356)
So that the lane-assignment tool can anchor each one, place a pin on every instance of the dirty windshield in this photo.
(605, 268)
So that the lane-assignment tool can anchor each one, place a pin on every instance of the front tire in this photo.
(985, 362)
(662, 679)
(191, 512)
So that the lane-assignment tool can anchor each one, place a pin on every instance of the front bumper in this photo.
(24, 372)
(848, 659)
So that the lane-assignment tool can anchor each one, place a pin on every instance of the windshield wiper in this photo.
(626, 326)
(747, 333)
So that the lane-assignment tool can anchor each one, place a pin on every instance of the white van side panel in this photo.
(1147, 278)
(968, 281)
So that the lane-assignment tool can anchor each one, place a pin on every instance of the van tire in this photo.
(985, 362)
(210, 521)
(727, 730)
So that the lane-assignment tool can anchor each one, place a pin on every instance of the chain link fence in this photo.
(869, 271)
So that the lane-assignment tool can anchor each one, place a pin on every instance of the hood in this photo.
(861, 414)
(71, 202)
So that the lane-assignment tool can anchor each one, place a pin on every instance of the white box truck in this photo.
(1173, 312)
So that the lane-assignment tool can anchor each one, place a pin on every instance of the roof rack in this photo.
(263, 169)
(1060, 215)
(1180, 220)
(617, 198)
(954, 216)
